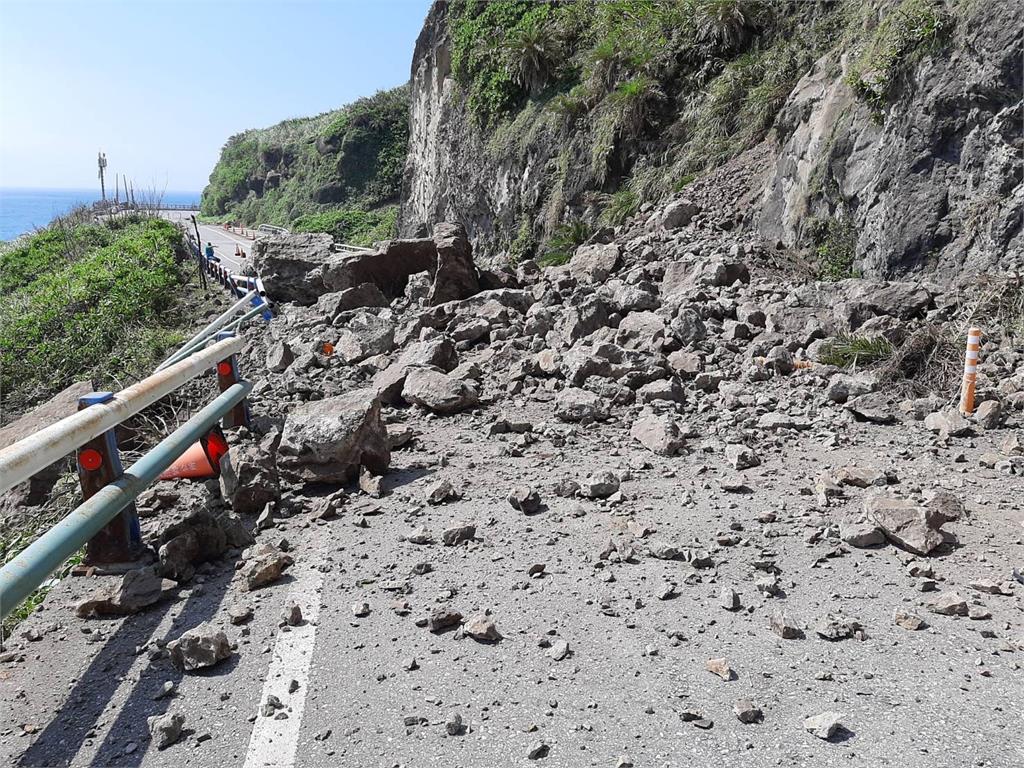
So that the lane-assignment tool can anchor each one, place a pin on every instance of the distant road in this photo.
(224, 242)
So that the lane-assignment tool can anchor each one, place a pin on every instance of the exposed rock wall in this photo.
(930, 182)
(935, 182)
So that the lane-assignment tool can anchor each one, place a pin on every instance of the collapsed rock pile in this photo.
(665, 357)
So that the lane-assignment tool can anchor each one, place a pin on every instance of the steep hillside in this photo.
(339, 172)
(889, 125)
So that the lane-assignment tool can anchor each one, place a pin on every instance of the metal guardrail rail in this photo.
(18, 462)
(30, 568)
(104, 521)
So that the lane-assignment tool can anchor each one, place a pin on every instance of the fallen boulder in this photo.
(329, 440)
(438, 392)
(136, 590)
(203, 646)
(908, 526)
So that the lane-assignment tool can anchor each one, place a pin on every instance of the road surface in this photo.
(224, 242)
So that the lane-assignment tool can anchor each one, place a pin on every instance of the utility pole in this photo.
(199, 253)
(102, 161)
(117, 189)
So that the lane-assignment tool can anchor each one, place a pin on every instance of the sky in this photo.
(159, 85)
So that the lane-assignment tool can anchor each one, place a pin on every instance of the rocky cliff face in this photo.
(934, 181)
(897, 150)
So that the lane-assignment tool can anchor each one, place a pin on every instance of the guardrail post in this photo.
(99, 464)
(227, 376)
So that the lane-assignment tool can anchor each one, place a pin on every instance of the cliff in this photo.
(884, 138)
(339, 172)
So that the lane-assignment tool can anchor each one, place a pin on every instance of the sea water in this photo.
(26, 210)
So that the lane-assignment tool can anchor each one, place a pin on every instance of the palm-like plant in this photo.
(726, 24)
(532, 51)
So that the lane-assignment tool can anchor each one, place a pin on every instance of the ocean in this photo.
(25, 210)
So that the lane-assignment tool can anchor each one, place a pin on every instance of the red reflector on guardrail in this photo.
(90, 459)
(224, 368)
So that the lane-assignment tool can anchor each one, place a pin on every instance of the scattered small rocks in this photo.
(165, 729)
(824, 725)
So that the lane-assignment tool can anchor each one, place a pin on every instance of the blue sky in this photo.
(160, 85)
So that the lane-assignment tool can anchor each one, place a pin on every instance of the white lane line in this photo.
(273, 742)
(231, 235)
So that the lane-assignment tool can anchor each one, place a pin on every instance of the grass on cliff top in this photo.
(84, 300)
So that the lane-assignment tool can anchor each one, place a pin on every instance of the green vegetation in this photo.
(344, 165)
(623, 204)
(563, 243)
(83, 300)
(674, 87)
(846, 351)
(524, 244)
(912, 30)
(351, 225)
(836, 249)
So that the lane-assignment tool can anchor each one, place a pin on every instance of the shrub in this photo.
(634, 100)
(531, 51)
(524, 244)
(352, 225)
(725, 25)
(103, 312)
(836, 249)
(846, 351)
(563, 243)
(911, 31)
(624, 203)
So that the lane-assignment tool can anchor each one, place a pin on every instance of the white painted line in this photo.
(273, 742)
(231, 235)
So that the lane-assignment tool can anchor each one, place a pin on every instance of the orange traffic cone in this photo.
(199, 461)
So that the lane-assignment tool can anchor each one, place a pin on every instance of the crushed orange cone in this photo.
(199, 461)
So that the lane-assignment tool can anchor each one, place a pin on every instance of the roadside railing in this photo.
(106, 523)
(272, 229)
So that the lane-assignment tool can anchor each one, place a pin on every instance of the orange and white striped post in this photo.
(970, 371)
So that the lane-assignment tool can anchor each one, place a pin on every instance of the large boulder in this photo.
(135, 590)
(437, 353)
(329, 440)
(292, 267)
(195, 537)
(363, 336)
(438, 391)
(658, 433)
(904, 523)
(455, 277)
(248, 477)
(447, 257)
(594, 263)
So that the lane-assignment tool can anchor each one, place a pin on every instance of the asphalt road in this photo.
(352, 694)
(224, 242)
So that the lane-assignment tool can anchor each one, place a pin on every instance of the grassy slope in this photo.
(338, 172)
(82, 300)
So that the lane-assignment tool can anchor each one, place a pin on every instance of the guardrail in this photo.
(272, 229)
(168, 206)
(104, 521)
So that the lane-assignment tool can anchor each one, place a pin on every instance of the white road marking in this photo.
(273, 742)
